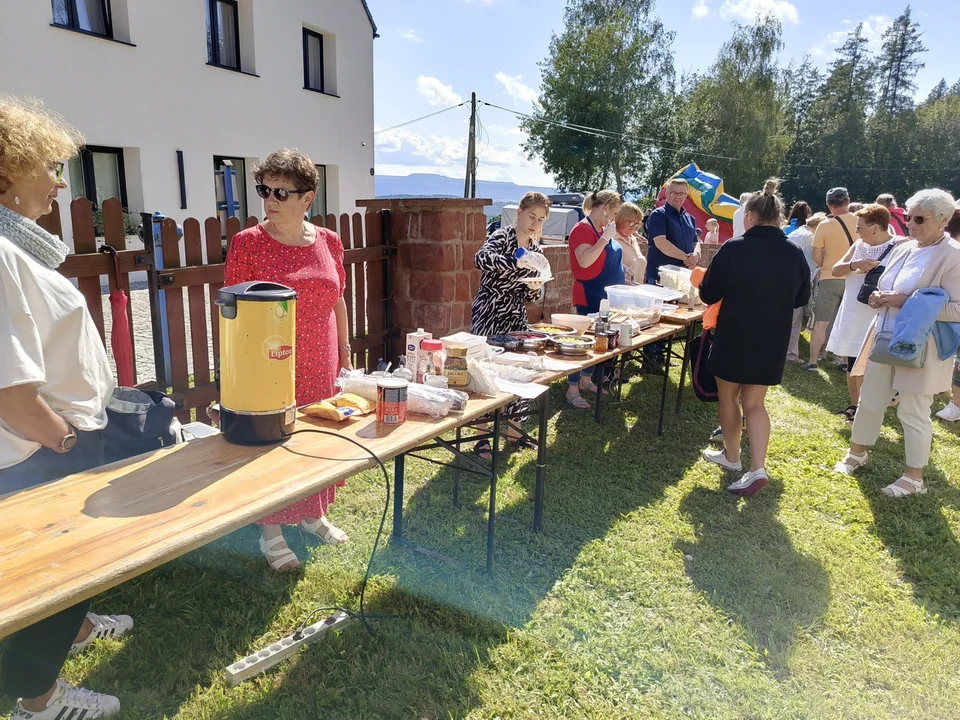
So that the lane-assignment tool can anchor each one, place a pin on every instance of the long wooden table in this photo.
(73, 538)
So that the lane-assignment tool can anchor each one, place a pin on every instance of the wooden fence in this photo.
(200, 271)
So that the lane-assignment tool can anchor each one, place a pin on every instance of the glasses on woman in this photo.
(918, 219)
(57, 169)
(281, 194)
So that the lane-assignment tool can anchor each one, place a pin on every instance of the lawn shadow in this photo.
(595, 475)
(420, 665)
(745, 564)
(915, 530)
(212, 604)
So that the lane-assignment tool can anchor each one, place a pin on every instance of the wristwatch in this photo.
(68, 442)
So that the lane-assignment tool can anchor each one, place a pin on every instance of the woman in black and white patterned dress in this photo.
(500, 304)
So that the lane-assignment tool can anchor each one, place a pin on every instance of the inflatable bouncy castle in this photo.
(706, 200)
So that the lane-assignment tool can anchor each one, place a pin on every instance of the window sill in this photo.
(92, 34)
(232, 69)
(321, 92)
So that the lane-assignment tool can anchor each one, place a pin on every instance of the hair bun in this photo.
(771, 186)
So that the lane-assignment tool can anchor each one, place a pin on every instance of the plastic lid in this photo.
(431, 345)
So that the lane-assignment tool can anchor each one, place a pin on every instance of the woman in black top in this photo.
(760, 278)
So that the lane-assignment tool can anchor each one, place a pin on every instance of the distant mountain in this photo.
(428, 185)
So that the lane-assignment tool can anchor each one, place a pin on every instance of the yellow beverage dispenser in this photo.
(258, 353)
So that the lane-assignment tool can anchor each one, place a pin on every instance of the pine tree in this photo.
(938, 93)
(954, 89)
(898, 65)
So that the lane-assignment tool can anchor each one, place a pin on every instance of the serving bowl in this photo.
(579, 323)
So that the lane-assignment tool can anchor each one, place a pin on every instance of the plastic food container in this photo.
(635, 296)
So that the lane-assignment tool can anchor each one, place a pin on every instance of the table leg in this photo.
(683, 365)
(622, 369)
(495, 447)
(398, 498)
(666, 379)
(598, 371)
(456, 471)
(541, 463)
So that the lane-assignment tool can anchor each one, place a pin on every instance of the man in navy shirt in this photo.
(673, 233)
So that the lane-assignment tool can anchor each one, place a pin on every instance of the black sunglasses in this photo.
(281, 194)
(918, 219)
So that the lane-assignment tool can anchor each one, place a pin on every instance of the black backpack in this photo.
(139, 421)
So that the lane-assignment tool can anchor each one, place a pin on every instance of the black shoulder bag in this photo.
(845, 231)
(872, 278)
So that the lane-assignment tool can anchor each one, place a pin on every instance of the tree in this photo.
(898, 65)
(603, 87)
(738, 108)
(938, 93)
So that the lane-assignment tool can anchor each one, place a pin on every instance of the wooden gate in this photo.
(190, 280)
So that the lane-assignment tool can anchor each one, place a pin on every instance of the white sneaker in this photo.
(104, 626)
(951, 413)
(750, 484)
(70, 702)
(719, 457)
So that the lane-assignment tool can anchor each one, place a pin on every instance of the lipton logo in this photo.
(276, 348)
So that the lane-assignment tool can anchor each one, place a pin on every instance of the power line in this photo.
(661, 145)
(410, 122)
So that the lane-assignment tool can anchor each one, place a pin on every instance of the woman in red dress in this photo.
(287, 249)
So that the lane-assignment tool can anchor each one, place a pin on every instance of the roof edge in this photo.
(373, 24)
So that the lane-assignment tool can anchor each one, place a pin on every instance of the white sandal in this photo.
(278, 557)
(896, 491)
(851, 463)
(325, 530)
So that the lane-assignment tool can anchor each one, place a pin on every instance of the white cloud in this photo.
(750, 10)
(700, 9)
(515, 88)
(436, 93)
(401, 152)
(873, 29)
(503, 130)
(410, 34)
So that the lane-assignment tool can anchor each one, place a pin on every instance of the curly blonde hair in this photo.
(32, 137)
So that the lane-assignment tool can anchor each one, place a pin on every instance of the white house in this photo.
(168, 91)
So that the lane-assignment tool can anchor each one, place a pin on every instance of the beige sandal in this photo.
(325, 530)
(278, 557)
(898, 491)
(850, 463)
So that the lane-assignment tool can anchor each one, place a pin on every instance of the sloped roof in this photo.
(370, 16)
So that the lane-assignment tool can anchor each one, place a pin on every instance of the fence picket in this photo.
(51, 221)
(115, 236)
(348, 296)
(199, 344)
(212, 230)
(363, 357)
(85, 241)
(176, 326)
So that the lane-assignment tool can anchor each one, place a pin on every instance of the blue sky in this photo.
(434, 53)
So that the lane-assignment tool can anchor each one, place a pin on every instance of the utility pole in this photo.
(470, 181)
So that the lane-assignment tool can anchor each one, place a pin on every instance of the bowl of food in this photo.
(504, 341)
(579, 323)
(530, 339)
(572, 345)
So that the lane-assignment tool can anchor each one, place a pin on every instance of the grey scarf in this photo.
(32, 239)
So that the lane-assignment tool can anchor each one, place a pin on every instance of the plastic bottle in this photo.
(532, 261)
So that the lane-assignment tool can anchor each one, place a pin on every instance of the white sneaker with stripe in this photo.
(104, 626)
(70, 703)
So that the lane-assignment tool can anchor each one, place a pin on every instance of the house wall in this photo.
(161, 96)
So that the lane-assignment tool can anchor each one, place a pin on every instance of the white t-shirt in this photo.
(48, 340)
(738, 223)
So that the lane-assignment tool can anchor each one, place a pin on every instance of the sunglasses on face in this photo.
(281, 194)
(918, 219)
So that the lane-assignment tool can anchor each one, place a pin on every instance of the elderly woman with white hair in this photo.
(929, 259)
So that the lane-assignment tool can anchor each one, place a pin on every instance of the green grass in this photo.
(651, 592)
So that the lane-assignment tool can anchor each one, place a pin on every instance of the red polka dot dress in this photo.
(316, 273)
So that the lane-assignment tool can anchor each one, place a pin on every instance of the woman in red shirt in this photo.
(596, 259)
(287, 249)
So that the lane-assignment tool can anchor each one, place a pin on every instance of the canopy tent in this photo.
(706, 199)
(558, 225)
